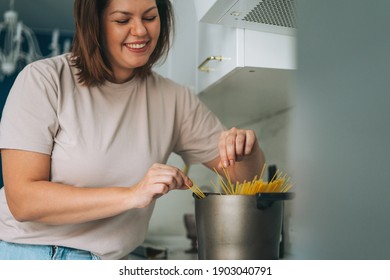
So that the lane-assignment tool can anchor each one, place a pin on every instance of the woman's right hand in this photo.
(159, 180)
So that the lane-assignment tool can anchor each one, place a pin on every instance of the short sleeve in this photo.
(199, 133)
(29, 121)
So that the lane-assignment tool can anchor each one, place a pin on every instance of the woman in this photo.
(85, 136)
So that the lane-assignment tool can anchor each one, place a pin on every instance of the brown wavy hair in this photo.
(87, 52)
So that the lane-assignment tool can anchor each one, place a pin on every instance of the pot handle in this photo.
(265, 200)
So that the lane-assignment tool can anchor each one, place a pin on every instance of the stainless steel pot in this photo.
(239, 227)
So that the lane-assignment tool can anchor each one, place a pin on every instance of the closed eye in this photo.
(150, 18)
(124, 21)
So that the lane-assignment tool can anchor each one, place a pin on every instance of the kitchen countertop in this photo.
(173, 248)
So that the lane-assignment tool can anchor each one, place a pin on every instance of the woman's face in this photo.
(131, 30)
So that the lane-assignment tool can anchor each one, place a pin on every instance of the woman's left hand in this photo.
(235, 145)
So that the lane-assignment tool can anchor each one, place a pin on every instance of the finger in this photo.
(156, 190)
(222, 150)
(187, 181)
(174, 178)
(171, 182)
(157, 166)
(182, 180)
(231, 148)
(160, 189)
(184, 187)
(250, 141)
(240, 144)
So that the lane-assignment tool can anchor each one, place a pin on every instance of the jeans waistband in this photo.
(15, 251)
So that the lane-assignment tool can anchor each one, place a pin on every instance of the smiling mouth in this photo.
(136, 46)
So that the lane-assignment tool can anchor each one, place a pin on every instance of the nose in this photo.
(138, 28)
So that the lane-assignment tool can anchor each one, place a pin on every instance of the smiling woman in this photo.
(85, 137)
(112, 54)
(131, 36)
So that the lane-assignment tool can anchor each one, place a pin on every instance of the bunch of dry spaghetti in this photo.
(279, 183)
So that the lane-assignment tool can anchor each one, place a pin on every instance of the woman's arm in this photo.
(240, 154)
(32, 197)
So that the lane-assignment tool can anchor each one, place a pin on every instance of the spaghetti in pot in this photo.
(278, 184)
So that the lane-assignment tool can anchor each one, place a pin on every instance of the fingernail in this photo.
(231, 162)
(225, 163)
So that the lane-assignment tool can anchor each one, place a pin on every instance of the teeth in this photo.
(136, 46)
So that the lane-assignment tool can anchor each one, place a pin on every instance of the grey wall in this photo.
(339, 151)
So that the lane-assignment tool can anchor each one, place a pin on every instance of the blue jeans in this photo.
(13, 251)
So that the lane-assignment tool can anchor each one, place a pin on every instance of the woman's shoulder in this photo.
(53, 70)
(55, 63)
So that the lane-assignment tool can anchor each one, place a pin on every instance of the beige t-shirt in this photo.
(97, 137)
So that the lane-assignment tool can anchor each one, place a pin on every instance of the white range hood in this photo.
(275, 16)
(249, 63)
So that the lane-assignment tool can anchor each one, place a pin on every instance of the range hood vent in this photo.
(275, 16)
(273, 12)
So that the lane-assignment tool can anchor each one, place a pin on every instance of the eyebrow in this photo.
(128, 13)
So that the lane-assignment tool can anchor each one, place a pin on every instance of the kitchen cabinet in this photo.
(245, 66)
(219, 50)
(249, 80)
(246, 74)
(223, 50)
